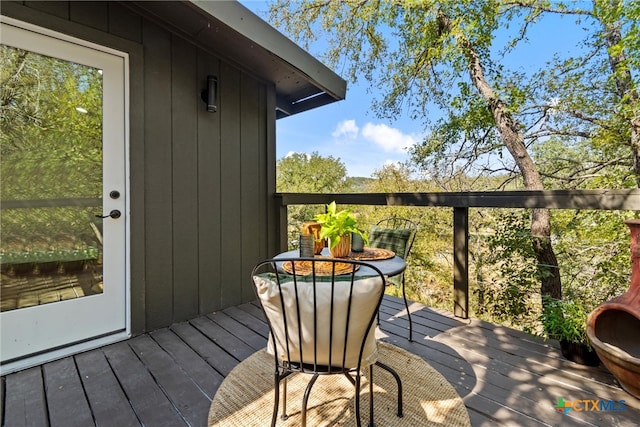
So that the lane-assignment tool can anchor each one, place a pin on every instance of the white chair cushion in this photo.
(364, 302)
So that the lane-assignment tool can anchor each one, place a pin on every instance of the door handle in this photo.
(115, 214)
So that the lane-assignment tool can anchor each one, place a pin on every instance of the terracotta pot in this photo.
(342, 249)
(613, 326)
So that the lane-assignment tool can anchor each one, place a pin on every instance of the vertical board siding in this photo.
(55, 8)
(253, 174)
(124, 23)
(158, 185)
(184, 101)
(209, 195)
(137, 163)
(201, 184)
(273, 214)
(89, 14)
(230, 178)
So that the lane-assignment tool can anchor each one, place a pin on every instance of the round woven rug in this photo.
(245, 398)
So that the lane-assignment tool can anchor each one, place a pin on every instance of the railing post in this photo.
(461, 262)
(284, 228)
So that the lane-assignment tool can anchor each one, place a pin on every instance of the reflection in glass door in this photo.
(63, 150)
(51, 179)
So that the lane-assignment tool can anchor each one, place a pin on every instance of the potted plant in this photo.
(337, 226)
(566, 321)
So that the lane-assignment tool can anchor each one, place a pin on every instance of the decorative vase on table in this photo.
(314, 228)
(342, 249)
(613, 326)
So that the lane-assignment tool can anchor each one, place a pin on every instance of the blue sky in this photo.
(349, 130)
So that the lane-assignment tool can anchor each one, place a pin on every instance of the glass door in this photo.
(63, 151)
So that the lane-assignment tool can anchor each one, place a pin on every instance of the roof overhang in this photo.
(233, 32)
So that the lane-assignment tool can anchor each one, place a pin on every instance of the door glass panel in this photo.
(50, 179)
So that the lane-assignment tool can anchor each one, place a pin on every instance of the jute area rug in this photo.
(245, 398)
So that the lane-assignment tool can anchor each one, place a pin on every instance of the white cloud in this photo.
(346, 128)
(389, 139)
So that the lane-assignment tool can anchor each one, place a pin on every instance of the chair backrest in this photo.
(320, 313)
(394, 233)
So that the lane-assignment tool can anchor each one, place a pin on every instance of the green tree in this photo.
(573, 124)
(589, 102)
(419, 53)
(308, 173)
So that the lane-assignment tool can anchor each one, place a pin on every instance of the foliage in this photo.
(337, 224)
(51, 148)
(308, 173)
(429, 267)
(593, 250)
(576, 116)
(509, 295)
(565, 320)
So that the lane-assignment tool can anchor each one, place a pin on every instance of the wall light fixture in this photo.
(210, 94)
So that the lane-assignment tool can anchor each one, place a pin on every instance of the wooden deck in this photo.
(168, 377)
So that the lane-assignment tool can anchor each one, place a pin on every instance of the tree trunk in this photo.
(513, 139)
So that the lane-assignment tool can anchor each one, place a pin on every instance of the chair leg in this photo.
(357, 384)
(307, 392)
(371, 422)
(406, 305)
(387, 368)
(276, 399)
(284, 415)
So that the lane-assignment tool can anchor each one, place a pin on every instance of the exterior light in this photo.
(210, 94)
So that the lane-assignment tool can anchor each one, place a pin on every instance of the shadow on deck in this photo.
(169, 377)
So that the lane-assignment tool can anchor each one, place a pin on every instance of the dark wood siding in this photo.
(184, 83)
(201, 211)
(209, 199)
(158, 213)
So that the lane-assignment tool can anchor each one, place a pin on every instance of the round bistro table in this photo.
(388, 267)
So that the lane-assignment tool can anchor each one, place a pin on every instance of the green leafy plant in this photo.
(565, 320)
(336, 224)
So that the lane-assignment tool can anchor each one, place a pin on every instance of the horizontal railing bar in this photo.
(51, 203)
(628, 199)
(461, 202)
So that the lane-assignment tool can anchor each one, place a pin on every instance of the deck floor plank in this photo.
(230, 343)
(507, 376)
(241, 316)
(108, 402)
(186, 396)
(26, 404)
(211, 352)
(253, 339)
(66, 400)
(168, 377)
(207, 378)
(149, 402)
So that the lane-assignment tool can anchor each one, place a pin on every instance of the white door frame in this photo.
(116, 234)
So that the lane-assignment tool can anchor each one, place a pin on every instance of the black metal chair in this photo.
(396, 234)
(321, 321)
